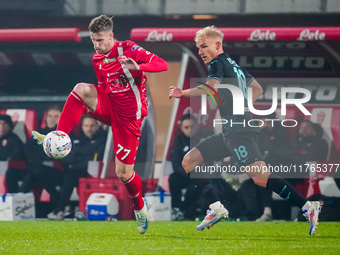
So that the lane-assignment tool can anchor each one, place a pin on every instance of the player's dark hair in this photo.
(101, 23)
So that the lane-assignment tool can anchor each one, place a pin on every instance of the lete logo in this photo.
(154, 36)
(257, 35)
(307, 35)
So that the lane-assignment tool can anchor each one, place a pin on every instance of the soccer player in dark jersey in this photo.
(118, 101)
(234, 140)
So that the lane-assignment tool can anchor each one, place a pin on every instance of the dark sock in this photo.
(266, 195)
(208, 190)
(281, 187)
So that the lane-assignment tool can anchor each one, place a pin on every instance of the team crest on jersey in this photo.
(134, 47)
(109, 60)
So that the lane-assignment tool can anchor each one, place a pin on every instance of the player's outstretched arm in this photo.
(194, 92)
(155, 64)
(175, 92)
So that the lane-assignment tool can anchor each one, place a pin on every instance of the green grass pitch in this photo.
(121, 237)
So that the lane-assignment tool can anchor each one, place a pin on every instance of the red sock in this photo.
(71, 113)
(134, 188)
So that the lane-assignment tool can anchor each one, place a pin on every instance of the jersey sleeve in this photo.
(147, 61)
(215, 70)
(249, 77)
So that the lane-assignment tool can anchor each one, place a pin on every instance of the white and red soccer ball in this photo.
(57, 144)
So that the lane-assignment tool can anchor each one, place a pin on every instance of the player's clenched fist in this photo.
(129, 63)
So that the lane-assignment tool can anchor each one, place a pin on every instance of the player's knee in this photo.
(262, 182)
(186, 163)
(123, 175)
(83, 89)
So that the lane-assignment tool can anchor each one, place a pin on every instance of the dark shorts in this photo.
(241, 146)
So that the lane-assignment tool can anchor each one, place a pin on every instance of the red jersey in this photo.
(126, 89)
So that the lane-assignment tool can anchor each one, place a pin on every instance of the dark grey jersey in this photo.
(224, 69)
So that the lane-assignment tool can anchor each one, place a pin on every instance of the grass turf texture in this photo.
(121, 237)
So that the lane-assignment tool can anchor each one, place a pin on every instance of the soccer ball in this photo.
(57, 144)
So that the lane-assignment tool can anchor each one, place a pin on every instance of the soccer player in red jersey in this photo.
(118, 101)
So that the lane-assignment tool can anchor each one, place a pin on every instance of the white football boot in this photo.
(56, 216)
(215, 213)
(142, 219)
(265, 217)
(312, 216)
(38, 137)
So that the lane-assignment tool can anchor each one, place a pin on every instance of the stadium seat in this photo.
(114, 186)
(24, 120)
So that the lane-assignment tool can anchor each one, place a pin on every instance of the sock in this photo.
(215, 206)
(267, 210)
(134, 187)
(71, 113)
(208, 190)
(281, 187)
(306, 206)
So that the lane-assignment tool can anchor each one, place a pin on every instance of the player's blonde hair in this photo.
(209, 32)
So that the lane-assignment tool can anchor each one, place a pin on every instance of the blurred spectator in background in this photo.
(11, 146)
(89, 145)
(272, 139)
(308, 145)
(190, 136)
(36, 158)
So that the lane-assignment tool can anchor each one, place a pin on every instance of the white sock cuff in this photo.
(267, 210)
(306, 206)
(215, 206)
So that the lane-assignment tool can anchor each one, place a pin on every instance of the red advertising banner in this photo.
(240, 34)
(39, 34)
